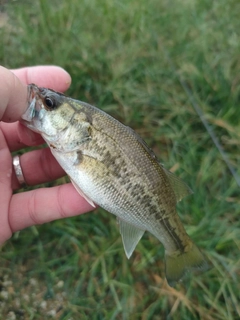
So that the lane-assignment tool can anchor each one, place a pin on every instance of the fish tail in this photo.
(179, 263)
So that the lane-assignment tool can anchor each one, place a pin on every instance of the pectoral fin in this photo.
(130, 236)
(83, 194)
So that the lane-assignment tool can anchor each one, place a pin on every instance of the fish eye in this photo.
(50, 103)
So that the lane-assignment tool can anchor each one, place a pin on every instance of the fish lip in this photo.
(35, 92)
(32, 92)
(32, 100)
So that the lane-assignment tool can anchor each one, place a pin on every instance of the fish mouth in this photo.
(35, 92)
(32, 92)
(33, 106)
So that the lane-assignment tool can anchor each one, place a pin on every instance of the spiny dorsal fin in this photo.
(180, 188)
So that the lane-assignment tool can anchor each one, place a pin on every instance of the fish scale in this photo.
(111, 166)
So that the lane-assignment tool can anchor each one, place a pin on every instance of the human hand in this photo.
(21, 210)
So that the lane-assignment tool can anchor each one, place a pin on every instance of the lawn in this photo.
(167, 69)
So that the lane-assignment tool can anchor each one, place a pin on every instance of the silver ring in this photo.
(18, 170)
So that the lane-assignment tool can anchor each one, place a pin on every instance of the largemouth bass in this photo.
(111, 166)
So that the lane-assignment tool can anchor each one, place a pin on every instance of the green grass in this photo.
(127, 57)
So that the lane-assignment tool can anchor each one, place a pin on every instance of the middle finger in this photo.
(18, 136)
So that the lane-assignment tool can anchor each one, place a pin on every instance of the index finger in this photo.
(52, 77)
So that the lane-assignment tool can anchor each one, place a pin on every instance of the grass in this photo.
(128, 57)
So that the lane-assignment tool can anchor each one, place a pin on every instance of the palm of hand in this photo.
(18, 211)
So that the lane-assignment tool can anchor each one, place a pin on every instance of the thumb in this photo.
(13, 96)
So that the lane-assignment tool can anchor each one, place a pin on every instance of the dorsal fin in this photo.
(180, 188)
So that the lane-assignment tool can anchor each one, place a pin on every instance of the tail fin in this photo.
(178, 265)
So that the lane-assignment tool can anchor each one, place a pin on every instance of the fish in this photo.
(111, 166)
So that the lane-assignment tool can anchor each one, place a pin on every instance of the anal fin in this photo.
(130, 236)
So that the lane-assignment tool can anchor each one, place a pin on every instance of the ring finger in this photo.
(38, 166)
